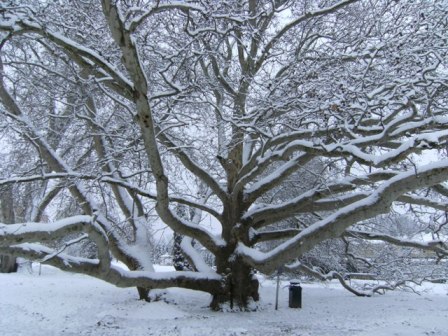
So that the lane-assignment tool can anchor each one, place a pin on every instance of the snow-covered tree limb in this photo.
(333, 226)
(116, 275)
(132, 63)
(434, 245)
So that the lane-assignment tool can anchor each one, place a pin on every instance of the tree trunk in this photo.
(143, 293)
(8, 264)
(240, 287)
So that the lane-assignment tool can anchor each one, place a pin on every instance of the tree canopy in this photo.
(276, 120)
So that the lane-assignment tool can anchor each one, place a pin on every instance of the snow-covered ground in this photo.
(57, 303)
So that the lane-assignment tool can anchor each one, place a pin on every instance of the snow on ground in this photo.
(58, 303)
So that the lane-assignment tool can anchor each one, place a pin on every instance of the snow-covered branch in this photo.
(297, 21)
(316, 199)
(162, 7)
(35, 232)
(131, 59)
(115, 275)
(153, 196)
(258, 237)
(191, 165)
(85, 57)
(333, 226)
(436, 246)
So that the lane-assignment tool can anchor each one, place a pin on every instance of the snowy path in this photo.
(57, 303)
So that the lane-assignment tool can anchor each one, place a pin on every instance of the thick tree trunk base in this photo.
(240, 289)
(237, 299)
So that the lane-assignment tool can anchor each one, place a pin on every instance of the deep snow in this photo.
(58, 303)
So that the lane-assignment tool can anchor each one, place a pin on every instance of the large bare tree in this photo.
(134, 108)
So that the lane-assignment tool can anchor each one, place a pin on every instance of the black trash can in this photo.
(295, 295)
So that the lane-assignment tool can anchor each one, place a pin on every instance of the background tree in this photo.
(214, 106)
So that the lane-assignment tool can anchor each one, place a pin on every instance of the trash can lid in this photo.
(294, 282)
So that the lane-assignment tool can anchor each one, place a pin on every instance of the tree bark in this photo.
(8, 264)
(143, 293)
(240, 287)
